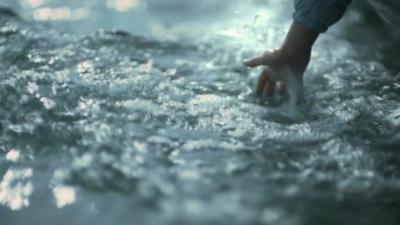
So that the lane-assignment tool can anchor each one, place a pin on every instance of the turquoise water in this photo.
(153, 120)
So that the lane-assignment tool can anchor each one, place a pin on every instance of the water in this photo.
(161, 125)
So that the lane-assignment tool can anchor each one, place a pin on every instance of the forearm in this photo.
(311, 18)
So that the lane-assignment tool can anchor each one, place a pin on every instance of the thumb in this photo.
(257, 61)
(267, 58)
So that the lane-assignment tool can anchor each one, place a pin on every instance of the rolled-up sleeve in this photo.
(319, 15)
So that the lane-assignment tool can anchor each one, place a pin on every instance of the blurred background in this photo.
(140, 112)
(137, 16)
(177, 19)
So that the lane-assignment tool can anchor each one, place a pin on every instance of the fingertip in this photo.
(262, 81)
(271, 88)
(251, 64)
(247, 63)
(282, 88)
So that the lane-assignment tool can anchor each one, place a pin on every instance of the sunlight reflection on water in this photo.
(15, 188)
(168, 130)
(61, 14)
(64, 195)
(34, 3)
(122, 5)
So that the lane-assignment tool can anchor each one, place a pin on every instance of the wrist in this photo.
(296, 58)
(296, 49)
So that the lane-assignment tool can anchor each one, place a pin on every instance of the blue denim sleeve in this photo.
(319, 15)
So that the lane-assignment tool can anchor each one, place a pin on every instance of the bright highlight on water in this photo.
(141, 112)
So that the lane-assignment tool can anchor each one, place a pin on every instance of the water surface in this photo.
(157, 123)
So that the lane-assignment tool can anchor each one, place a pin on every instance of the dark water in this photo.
(109, 127)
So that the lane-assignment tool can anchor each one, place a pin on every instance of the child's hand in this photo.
(294, 54)
(267, 81)
(274, 62)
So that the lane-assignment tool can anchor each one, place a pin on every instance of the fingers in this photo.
(266, 84)
(271, 88)
(282, 88)
(262, 82)
(257, 61)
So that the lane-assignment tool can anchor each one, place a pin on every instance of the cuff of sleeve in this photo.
(308, 22)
